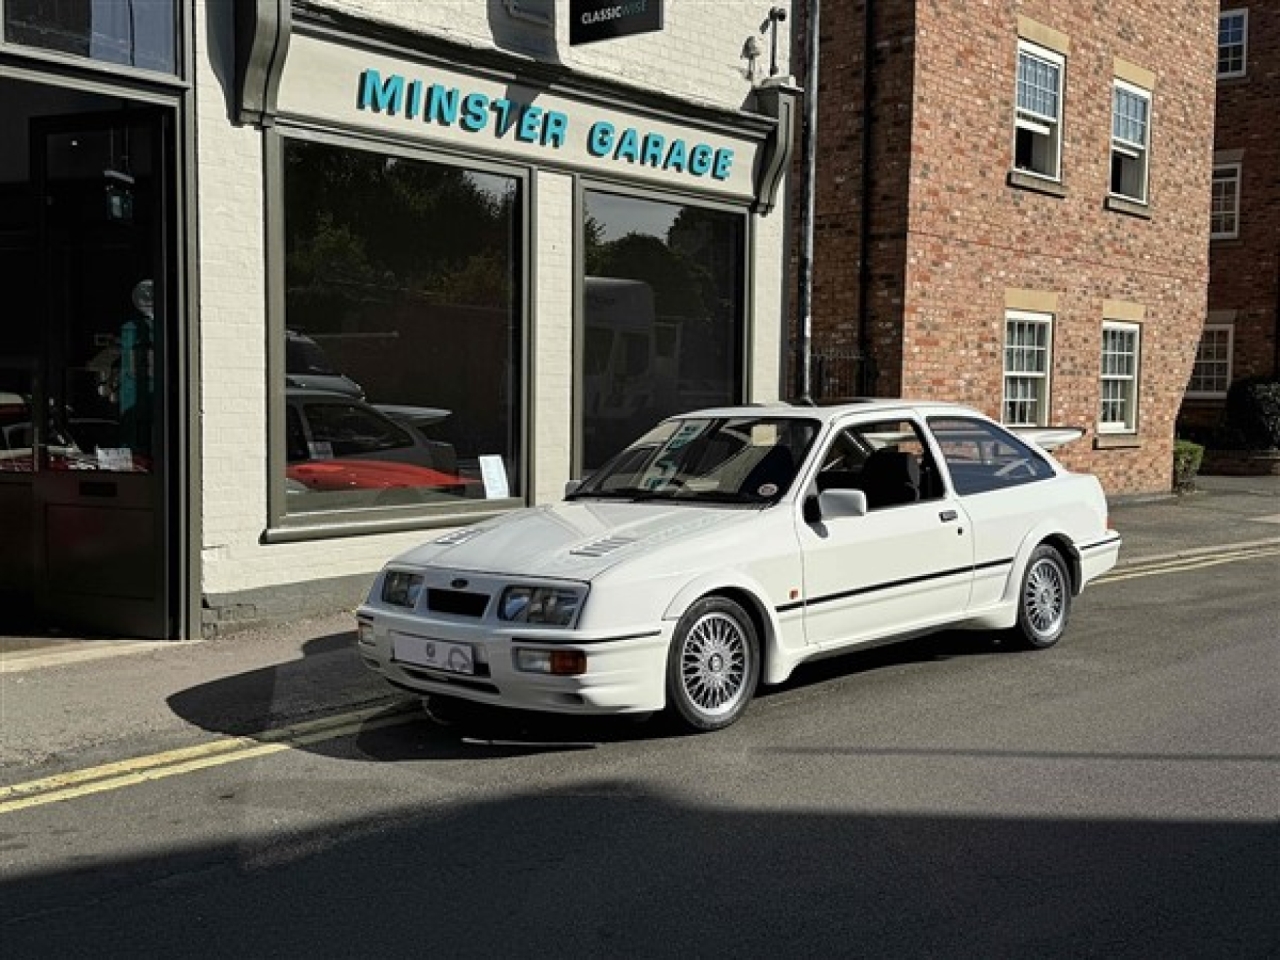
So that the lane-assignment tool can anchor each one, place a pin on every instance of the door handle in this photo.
(947, 516)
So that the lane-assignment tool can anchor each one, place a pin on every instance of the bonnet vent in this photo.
(602, 547)
(458, 536)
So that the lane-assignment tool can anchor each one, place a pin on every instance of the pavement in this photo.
(82, 700)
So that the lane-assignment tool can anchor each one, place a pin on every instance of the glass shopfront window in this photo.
(136, 33)
(664, 315)
(402, 345)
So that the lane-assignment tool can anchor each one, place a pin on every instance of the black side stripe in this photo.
(892, 585)
(1100, 544)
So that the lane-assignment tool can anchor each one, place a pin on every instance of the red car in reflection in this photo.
(348, 474)
(341, 443)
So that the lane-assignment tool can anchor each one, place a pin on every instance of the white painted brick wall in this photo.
(696, 57)
(553, 334)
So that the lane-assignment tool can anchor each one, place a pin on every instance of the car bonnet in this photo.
(572, 540)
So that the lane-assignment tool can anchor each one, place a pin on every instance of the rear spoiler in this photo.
(1048, 438)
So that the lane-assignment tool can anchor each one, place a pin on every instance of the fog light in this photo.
(560, 663)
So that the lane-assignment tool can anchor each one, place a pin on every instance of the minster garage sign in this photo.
(434, 105)
(475, 112)
(592, 20)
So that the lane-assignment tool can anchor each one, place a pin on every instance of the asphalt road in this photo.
(1116, 796)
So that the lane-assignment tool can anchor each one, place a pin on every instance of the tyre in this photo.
(1044, 601)
(714, 665)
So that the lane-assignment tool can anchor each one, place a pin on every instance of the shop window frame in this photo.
(178, 77)
(284, 527)
(746, 256)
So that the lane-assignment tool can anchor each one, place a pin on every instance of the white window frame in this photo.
(1213, 329)
(1242, 14)
(1132, 150)
(1234, 231)
(1125, 380)
(1020, 378)
(1036, 123)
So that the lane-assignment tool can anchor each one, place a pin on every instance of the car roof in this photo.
(835, 411)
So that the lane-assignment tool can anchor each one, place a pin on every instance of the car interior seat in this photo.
(891, 477)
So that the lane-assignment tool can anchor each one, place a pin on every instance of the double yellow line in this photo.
(1154, 568)
(157, 766)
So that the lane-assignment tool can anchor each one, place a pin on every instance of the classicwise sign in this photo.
(592, 20)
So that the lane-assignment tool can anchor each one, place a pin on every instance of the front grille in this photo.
(457, 602)
(447, 679)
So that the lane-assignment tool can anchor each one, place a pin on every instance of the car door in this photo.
(907, 563)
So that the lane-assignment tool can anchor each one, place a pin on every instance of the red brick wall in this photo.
(968, 235)
(1244, 272)
(838, 192)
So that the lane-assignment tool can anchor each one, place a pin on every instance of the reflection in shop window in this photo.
(663, 330)
(403, 329)
(136, 33)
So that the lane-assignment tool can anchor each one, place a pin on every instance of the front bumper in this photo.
(624, 674)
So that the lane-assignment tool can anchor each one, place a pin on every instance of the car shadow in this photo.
(931, 648)
(329, 683)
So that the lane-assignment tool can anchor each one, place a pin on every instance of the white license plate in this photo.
(437, 654)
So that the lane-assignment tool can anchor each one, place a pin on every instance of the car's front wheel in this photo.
(1044, 602)
(714, 665)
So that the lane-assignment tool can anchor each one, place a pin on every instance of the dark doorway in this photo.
(85, 366)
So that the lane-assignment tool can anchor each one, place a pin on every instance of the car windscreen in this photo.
(742, 459)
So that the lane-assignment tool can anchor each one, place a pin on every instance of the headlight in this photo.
(553, 606)
(401, 588)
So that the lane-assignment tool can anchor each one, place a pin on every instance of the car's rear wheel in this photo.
(714, 665)
(1044, 602)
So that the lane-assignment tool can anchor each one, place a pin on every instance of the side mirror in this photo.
(833, 504)
(572, 487)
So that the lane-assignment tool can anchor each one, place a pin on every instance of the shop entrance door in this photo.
(100, 531)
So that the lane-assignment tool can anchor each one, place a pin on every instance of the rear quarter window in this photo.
(981, 456)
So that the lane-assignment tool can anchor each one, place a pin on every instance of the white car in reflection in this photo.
(726, 547)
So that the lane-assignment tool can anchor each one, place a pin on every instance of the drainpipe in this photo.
(866, 365)
(808, 147)
(1275, 326)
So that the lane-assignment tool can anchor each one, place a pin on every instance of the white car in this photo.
(727, 546)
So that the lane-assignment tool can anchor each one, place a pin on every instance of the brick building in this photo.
(1239, 338)
(1032, 196)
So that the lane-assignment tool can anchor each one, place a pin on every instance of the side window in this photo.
(888, 460)
(1037, 127)
(1130, 139)
(1233, 42)
(980, 456)
(1028, 340)
(352, 432)
(1211, 374)
(1224, 202)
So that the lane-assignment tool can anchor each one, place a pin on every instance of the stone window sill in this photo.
(1130, 207)
(1029, 181)
(1117, 441)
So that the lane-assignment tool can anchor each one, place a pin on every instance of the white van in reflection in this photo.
(631, 359)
